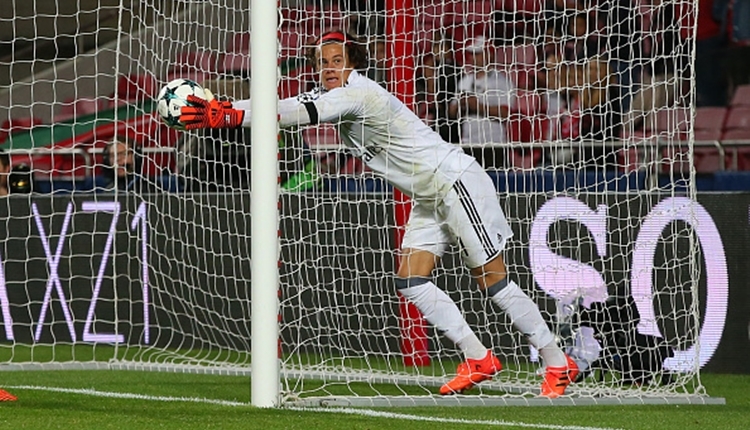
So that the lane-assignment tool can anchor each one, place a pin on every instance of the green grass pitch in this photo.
(108, 399)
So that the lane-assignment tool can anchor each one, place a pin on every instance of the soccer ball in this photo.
(173, 97)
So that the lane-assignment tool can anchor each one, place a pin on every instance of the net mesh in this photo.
(587, 138)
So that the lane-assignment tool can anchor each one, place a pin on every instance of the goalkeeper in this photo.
(454, 200)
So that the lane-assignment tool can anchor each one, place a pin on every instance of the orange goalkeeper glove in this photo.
(210, 114)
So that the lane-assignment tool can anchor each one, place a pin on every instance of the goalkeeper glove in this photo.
(210, 114)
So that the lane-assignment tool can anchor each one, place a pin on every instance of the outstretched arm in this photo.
(314, 108)
(224, 114)
(293, 111)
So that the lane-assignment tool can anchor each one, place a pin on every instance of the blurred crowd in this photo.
(569, 72)
(517, 83)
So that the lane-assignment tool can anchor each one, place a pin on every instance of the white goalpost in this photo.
(265, 384)
(275, 259)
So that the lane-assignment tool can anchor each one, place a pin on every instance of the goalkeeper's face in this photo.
(333, 65)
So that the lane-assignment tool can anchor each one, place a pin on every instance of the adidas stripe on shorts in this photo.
(469, 216)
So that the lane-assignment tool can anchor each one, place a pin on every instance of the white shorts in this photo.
(469, 216)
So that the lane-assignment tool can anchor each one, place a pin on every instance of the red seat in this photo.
(709, 122)
(294, 82)
(239, 42)
(706, 135)
(636, 135)
(741, 96)
(289, 16)
(673, 121)
(710, 118)
(737, 128)
(332, 17)
(324, 141)
(527, 103)
(137, 87)
(423, 41)
(525, 158)
(743, 157)
(706, 159)
(526, 78)
(324, 137)
(738, 117)
(478, 10)
(527, 129)
(309, 23)
(433, 14)
(523, 128)
(235, 63)
(708, 127)
(675, 158)
(290, 44)
(736, 134)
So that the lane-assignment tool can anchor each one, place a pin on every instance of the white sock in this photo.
(526, 317)
(472, 347)
(442, 312)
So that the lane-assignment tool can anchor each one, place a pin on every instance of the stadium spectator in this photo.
(556, 11)
(734, 16)
(483, 103)
(364, 6)
(20, 180)
(580, 41)
(14, 179)
(552, 86)
(619, 27)
(663, 80)
(4, 173)
(601, 118)
(711, 87)
(550, 30)
(377, 70)
(366, 19)
(219, 160)
(582, 104)
(437, 81)
(454, 200)
(122, 167)
(550, 41)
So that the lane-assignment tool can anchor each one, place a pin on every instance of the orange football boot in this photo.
(470, 373)
(557, 379)
(7, 397)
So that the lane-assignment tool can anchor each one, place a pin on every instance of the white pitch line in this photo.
(381, 414)
(349, 411)
(109, 394)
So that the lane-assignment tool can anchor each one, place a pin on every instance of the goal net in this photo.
(590, 149)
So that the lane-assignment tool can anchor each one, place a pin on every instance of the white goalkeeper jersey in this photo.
(383, 132)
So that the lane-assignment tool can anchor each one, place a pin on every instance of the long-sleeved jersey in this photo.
(383, 132)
